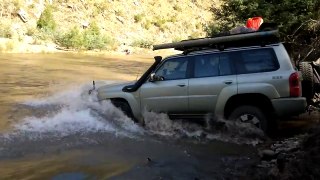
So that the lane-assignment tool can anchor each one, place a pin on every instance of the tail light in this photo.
(294, 83)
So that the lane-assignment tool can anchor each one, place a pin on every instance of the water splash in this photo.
(215, 129)
(82, 114)
(78, 113)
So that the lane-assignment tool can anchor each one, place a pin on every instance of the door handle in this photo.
(228, 82)
(181, 85)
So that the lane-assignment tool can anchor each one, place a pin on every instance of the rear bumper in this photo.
(289, 106)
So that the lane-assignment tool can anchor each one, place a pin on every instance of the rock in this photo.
(85, 24)
(281, 162)
(23, 15)
(264, 164)
(267, 154)
(274, 173)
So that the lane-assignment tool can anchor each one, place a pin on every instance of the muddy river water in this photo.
(51, 129)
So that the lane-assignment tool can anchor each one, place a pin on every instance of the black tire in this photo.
(124, 107)
(308, 81)
(250, 112)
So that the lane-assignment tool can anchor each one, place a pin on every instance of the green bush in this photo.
(177, 8)
(159, 22)
(93, 39)
(5, 30)
(298, 20)
(71, 39)
(138, 18)
(87, 39)
(173, 19)
(143, 43)
(147, 24)
(46, 20)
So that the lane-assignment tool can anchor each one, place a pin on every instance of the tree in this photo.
(298, 20)
(46, 20)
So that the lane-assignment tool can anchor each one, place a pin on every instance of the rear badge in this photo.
(276, 77)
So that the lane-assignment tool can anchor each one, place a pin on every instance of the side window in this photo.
(212, 65)
(258, 60)
(174, 69)
(226, 64)
(206, 65)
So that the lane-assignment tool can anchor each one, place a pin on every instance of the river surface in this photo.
(51, 129)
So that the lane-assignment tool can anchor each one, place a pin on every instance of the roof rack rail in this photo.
(222, 42)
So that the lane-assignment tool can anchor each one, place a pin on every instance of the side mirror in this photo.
(154, 77)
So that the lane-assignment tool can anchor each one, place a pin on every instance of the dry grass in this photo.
(126, 21)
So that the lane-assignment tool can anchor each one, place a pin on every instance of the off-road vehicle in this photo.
(246, 77)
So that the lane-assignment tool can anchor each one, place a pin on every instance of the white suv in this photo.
(252, 84)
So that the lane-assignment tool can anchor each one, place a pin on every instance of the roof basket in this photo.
(261, 37)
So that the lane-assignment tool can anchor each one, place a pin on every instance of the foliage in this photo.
(138, 18)
(71, 39)
(88, 39)
(147, 24)
(298, 20)
(46, 20)
(94, 39)
(143, 43)
(177, 8)
(5, 30)
(159, 22)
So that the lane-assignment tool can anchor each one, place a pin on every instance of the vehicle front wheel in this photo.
(124, 107)
(250, 114)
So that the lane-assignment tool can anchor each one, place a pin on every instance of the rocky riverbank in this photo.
(292, 158)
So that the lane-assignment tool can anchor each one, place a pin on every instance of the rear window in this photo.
(255, 61)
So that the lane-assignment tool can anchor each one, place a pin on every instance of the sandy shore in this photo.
(27, 45)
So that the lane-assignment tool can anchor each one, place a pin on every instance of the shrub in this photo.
(299, 20)
(46, 20)
(138, 18)
(31, 31)
(93, 39)
(88, 39)
(71, 39)
(147, 24)
(16, 3)
(143, 43)
(43, 35)
(177, 8)
(173, 19)
(159, 22)
(5, 31)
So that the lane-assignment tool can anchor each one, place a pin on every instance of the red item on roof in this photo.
(254, 23)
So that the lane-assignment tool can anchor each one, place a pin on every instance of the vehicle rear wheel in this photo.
(124, 107)
(308, 81)
(250, 114)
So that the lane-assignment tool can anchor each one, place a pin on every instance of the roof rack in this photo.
(222, 42)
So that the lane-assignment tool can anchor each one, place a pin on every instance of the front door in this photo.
(169, 95)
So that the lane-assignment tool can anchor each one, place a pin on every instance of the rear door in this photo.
(212, 73)
(171, 94)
